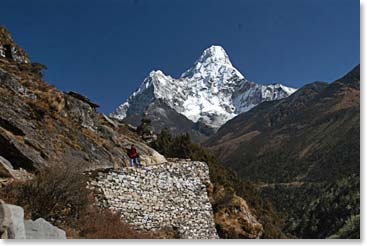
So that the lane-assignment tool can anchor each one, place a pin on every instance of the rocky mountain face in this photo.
(300, 150)
(210, 93)
(42, 126)
(9, 49)
(162, 116)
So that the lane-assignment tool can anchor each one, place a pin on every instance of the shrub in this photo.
(56, 194)
(97, 224)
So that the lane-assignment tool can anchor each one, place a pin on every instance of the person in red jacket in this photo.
(134, 156)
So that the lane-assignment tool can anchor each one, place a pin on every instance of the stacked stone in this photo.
(171, 195)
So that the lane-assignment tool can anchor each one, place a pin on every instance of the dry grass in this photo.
(105, 224)
(59, 195)
(56, 194)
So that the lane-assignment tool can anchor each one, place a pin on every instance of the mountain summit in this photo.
(213, 61)
(211, 92)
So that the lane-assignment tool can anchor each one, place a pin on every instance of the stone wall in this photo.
(171, 195)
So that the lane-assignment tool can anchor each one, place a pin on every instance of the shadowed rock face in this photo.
(41, 125)
(162, 116)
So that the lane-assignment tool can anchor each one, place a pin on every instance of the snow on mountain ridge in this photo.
(211, 91)
(212, 63)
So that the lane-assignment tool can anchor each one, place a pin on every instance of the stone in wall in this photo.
(170, 195)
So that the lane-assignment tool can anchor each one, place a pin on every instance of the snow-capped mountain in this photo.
(212, 91)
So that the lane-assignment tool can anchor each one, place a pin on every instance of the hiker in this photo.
(134, 156)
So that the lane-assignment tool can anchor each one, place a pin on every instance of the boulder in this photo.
(148, 156)
(81, 112)
(41, 229)
(11, 222)
(13, 226)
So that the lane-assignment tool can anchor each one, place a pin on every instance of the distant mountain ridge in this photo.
(211, 92)
(304, 153)
(317, 116)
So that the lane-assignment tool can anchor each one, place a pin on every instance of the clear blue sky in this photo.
(105, 48)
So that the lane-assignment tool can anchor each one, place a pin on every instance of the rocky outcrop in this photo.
(235, 220)
(8, 173)
(9, 49)
(13, 225)
(171, 195)
(233, 217)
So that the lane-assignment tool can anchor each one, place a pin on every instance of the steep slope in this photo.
(42, 126)
(295, 147)
(212, 91)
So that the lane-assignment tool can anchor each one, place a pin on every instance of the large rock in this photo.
(148, 156)
(13, 226)
(11, 222)
(81, 111)
(41, 229)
